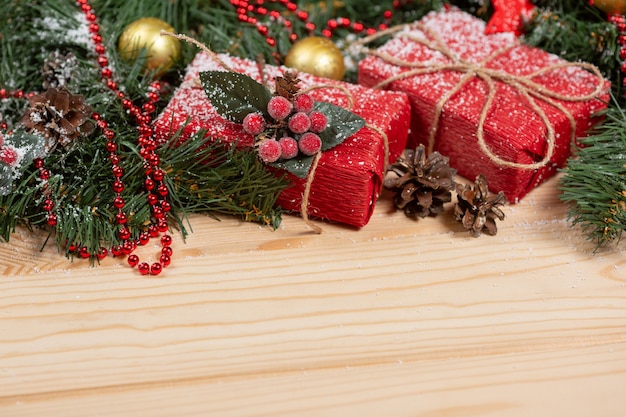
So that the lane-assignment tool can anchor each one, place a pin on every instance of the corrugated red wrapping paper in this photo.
(513, 130)
(349, 176)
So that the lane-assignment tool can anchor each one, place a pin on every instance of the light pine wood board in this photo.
(402, 318)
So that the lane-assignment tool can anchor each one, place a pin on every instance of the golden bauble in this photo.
(318, 56)
(611, 6)
(145, 33)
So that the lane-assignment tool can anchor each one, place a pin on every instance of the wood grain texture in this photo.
(402, 317)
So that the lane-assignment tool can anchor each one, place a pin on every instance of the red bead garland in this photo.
(48, 204)
(619, 21)
(247, 9)
(147, 149)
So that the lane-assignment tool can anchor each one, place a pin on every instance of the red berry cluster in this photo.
(294, 128)
(8, 154)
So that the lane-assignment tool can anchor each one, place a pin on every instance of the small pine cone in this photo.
(476, 209)
(422, 185)
(58, 116)
(57, 69)
(287, 85)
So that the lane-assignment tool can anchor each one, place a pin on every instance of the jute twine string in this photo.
(524, 85)
(307, 189)
(195, 83)
(199, 45)
(304, 204)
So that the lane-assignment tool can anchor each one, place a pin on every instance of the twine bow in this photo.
(523, 84)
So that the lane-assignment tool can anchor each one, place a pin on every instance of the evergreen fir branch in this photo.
(205, 176)
(208, 175)
(210, 178)
(594, 183)
(16, 208)
(576, 31)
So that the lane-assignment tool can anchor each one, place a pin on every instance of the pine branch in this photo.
(16, 208)
(204, 177)
(209, 175)
(595, 181)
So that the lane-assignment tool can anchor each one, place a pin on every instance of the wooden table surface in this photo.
(400, 318)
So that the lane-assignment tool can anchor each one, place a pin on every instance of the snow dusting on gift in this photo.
(489, 103)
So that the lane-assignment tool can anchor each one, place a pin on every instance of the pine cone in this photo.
(287, 85)
(477, 209)
(422, 185)
(57, 69)
(58, 116)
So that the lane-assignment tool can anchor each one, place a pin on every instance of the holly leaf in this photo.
(31, 146)
(234, 95)
(298, 166)
(341, 124)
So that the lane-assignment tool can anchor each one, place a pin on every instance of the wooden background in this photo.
(401, 318)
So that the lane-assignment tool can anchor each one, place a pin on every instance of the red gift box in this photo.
(517, 134)
(348, 178)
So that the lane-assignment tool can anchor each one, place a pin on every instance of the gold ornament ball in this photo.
(318, 56)
(611, 6)
(145, 33)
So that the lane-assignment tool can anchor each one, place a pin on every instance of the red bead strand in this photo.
(247, 9)
(619, 21)
(155, 176)
(48, 203)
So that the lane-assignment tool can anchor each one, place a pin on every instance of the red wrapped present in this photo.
(348, 178)
(492, 105)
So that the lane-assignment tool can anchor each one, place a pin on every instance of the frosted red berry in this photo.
(254, 123)
(310, 144)
(303, 103)
(299, 123)
(319, 122)
(288, 147)
(279, 107)
(8, 155)
(269, 150)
